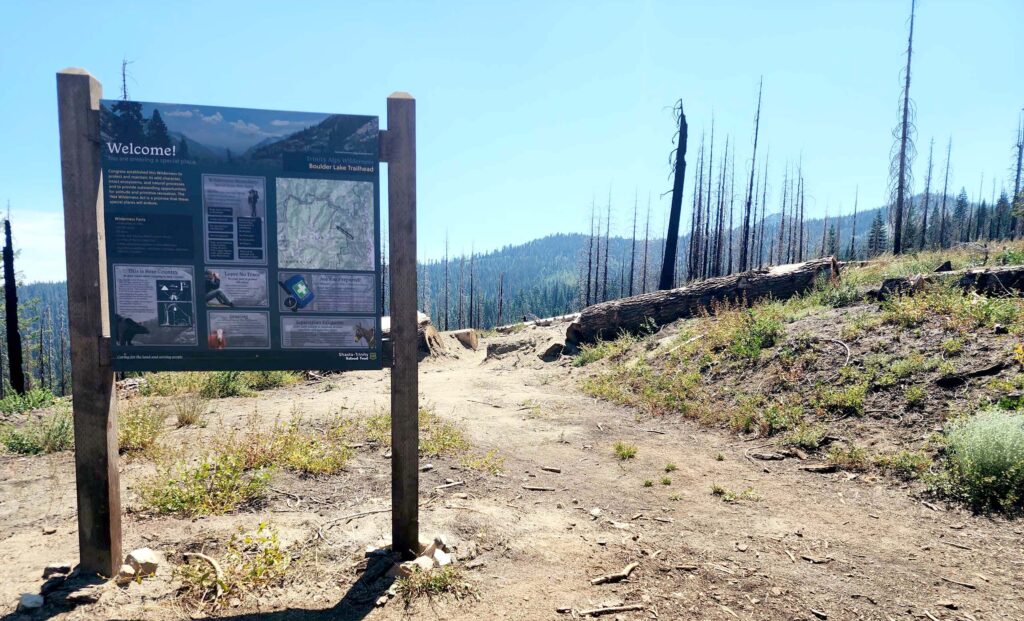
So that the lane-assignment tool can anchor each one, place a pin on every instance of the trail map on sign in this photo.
(325, 224)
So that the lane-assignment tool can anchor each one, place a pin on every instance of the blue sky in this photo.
(526, 110)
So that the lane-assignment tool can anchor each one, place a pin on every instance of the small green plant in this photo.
(853, 458)
(221, 384)
(648, 483)
(624, 451)
(719, 457)
(445, 581)
(37, 398)
(139, 425)
(670, 467)
(190, 410)
(845, 401)
(953, 346)
(760, 329)
(914, 396)
(985, 460)
(49, 434)
(728, 495)
(250, 562)
(604, 349)
(806, 436)
(666, 481)
(904, 464)
(491, 462)
(437, 436)
(217, 484)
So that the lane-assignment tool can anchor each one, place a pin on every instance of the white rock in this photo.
(144, 561)
(442, 558)
(30, 601)
(595, 512)
(126, 574)
(424, 563)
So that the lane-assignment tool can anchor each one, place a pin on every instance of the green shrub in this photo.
(760, 329)
(49, 434)
(847, 401)
(138, 426)
(190, 410)
(604, 349)
(267, 380)
(217, 484)
(985, 460)
(624, 451)
(222, 384)
(34, 399)
(805, 436)
(904, 464)
(853, 458)
(447, 580)
(251, 562)
(914, 396)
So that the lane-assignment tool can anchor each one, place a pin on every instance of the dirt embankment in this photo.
(776, 541)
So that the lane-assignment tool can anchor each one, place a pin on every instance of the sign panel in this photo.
(241, 239)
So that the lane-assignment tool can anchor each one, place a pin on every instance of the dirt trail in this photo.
(799, 545)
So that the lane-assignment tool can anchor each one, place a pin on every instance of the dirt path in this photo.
(797, 545)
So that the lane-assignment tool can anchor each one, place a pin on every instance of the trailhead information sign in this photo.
(240, 239)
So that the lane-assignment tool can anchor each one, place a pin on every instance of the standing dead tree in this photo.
(14, 352)
(744, 258)
(945, 195)
(590, 255)
(903, 150)
(696, 224)
(1017, 208)
(647, 243)
(668, 264)
(632, 253)
(927, 195)
(607, 246)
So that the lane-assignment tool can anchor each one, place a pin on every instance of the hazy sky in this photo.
(527, 110)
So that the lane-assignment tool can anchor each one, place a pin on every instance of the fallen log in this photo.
(1007, 280)
(637, 313)
(468, 337)
(429, 342)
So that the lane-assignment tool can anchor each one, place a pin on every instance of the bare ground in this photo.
(810, 545)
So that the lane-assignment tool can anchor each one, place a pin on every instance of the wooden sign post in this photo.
(94, 400)
(94, 403)
(398, 149)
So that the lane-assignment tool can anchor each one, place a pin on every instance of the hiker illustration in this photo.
(254, 199)
(213, 293)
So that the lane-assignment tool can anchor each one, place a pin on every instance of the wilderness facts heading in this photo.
(131, 148)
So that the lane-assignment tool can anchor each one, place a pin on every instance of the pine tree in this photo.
(877, 238)
(156, 131)
(927, 194)
(961, 215)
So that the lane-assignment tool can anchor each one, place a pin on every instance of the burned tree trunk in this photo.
(14, 355)
(661, 307)
(668, 264)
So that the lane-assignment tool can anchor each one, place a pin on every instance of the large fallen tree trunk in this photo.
(634, 314)
(429, 341)
(999, 280)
